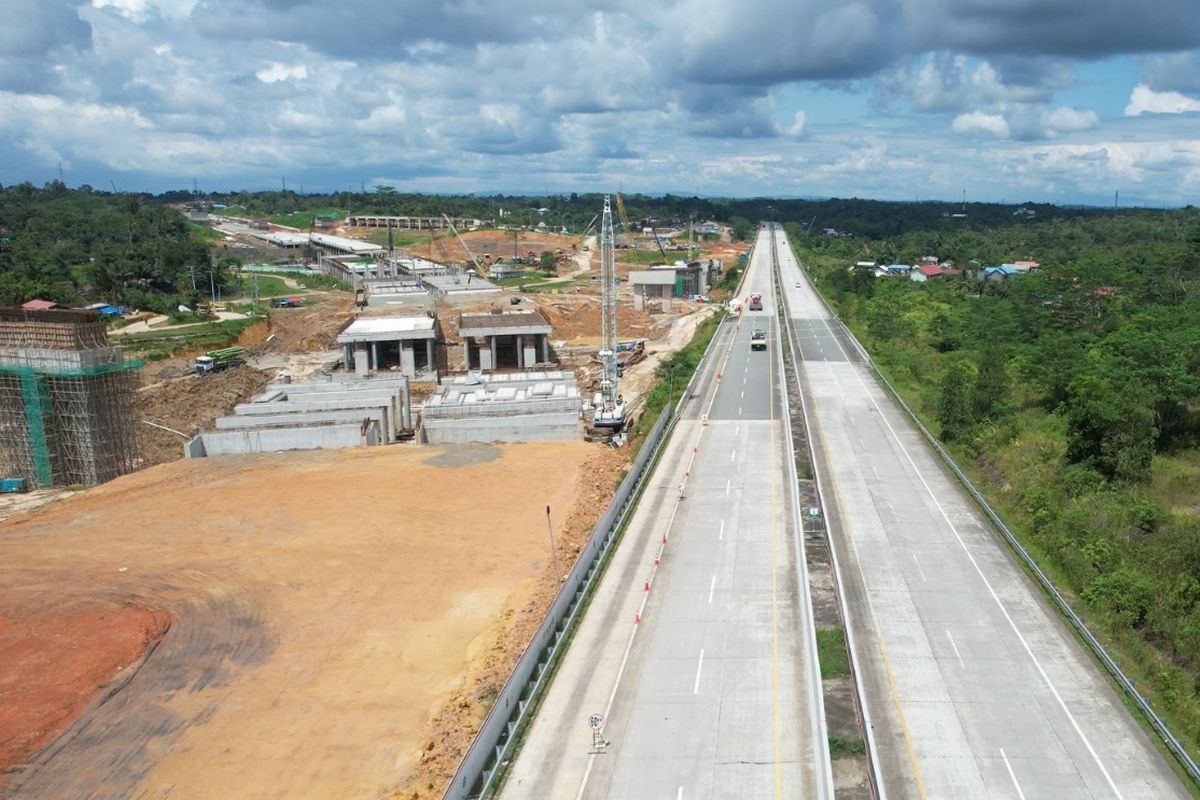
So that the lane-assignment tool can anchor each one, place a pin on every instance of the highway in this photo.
(702, 667)
(975, 686)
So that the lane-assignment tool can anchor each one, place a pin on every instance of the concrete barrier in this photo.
(273, 440)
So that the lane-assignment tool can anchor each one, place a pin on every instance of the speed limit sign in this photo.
(595, 722)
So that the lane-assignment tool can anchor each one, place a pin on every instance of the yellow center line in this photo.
(908, 742)
(848, 530)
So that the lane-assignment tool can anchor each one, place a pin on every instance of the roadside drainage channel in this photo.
(852, 772)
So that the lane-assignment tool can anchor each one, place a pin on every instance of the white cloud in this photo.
(980, 122)
(1144, 100)
(276, 72)
(798, 128)
(1065, 119)
(565, 94)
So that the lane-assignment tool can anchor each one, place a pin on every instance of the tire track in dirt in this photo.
(214, 632)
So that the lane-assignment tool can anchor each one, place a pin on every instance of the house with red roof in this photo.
(41, 305)
(927, 272)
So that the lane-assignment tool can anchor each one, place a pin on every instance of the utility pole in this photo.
(558, 576)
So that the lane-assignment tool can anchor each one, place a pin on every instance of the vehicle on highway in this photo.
(758, 339)
(756, 302)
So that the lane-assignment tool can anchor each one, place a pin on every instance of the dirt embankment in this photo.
(322, 605)
(454, 724)
(189, 405)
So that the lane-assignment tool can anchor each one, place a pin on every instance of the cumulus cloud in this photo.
(1052, 27)
(275, 72)
(1173, 72)
(979, 122)
(1144, 100)
(798, 127)
(34, 35)
(473, 95)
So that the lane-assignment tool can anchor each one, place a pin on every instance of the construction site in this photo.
(287, 612)
(66, 397)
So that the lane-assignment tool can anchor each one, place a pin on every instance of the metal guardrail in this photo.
(477, 772)
(1098, 649)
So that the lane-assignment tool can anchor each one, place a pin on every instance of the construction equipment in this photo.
(658, 241)
(624, 221)
(217, 360)
(480, 269)
(14, 485)
(609, 406)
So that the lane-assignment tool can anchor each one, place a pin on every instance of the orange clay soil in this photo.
(324, 620)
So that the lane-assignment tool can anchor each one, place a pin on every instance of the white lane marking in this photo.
(711, 588)
(733, 455)
(679, 794)
(743, 394)
(728, 483)
(739, 411)
(699, 667)
(736, 428)
(1012, 774)
(1062, 704)
(921, 571)
(721, 533)
(950, 636)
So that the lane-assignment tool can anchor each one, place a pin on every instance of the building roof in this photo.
(40, 305)
(930, 270)
(898, 267)
(503, 324)
(348, 245)
(653, 277)
(388, 329)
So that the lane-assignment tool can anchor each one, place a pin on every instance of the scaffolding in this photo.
(66, 399)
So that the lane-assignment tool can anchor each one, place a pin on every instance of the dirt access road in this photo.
(306, 614)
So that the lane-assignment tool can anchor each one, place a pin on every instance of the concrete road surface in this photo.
(976, 688)
(714, 693)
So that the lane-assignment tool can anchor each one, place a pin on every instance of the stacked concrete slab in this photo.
(504, 407)
(339, 412)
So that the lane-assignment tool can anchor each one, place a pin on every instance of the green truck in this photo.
(217, 360)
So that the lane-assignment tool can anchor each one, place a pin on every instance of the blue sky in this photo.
(1049, 100)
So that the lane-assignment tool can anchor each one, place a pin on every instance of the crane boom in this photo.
(475, 262)
(610, 410)
(624, 220)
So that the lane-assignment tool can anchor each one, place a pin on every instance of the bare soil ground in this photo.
(322, 624)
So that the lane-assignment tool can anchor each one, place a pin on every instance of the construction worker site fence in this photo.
(493, 744)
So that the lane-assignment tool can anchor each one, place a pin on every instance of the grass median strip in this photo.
(831, 653)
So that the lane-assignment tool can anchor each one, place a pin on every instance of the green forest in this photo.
(74, 246)
(1072, 393)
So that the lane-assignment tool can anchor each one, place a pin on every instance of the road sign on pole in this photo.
(596, 722)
